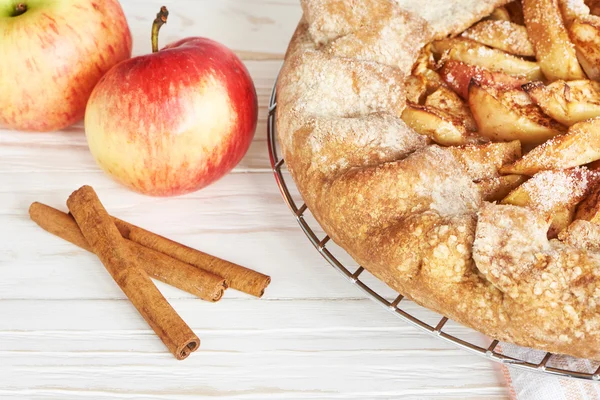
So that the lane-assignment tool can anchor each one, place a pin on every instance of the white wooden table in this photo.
(67, 332)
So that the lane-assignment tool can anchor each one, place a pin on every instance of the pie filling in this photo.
(520, 87)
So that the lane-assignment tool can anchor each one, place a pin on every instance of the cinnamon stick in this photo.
(105, 240)
(236, 276)
(198, 282)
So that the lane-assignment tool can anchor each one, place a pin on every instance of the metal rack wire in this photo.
(492, 349)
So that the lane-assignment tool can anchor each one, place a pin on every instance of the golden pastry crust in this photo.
(408, 210)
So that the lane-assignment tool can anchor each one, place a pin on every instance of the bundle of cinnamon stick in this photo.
(132, 255)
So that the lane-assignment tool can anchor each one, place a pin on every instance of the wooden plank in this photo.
(25, 156)
(256, 29)
(246, 202)
(48, 269)
(251, 349)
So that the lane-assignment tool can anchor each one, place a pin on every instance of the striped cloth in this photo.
(524, 385)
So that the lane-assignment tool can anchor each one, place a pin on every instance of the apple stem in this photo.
(161, 19)
(20, 9)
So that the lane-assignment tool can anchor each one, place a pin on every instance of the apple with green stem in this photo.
(52, 54)
(175, 120)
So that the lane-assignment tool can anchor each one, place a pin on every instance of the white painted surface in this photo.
(66, 331)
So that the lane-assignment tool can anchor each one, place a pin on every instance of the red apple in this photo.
(175, 120)
(52, 54)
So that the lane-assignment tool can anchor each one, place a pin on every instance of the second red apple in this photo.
(173, 121)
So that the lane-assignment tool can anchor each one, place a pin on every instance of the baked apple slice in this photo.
(580, 146)
(446, 100)
(572, 10)
(554, 51)
(567, 102)
(483, 161)
(416, 89)
(497, 188)
(502, 35)
(458, 75)
(510, 115)
(425, 69)
(585, 35)
(555, 194)
(500, 14)
(441, 126)
(471, 52)
(589, 209)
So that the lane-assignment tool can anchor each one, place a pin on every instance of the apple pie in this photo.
(452, 148)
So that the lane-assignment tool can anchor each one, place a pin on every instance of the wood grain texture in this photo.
(68, 333)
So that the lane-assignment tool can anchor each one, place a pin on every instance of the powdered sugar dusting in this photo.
(572, 9)
(340, 143)
(441, 14)
(333, 86)
(381, 44)
(551, 189)
(503, 35)
(451, 193)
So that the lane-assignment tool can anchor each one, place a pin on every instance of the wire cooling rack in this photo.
(420, 317)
